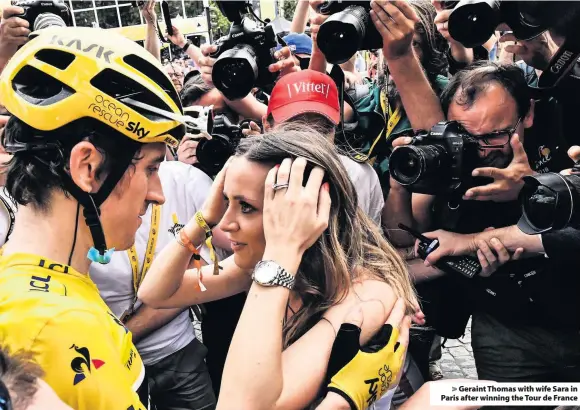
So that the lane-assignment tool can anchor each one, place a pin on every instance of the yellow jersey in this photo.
(56, 313)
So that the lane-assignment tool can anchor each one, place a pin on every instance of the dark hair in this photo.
(33, 175)
(434, 45)
(467, 84)
(20, 376)
(193, 89)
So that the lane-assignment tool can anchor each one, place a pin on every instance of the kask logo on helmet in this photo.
(100, 51)
(108, 109)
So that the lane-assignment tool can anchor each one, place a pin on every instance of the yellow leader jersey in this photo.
(56, 313)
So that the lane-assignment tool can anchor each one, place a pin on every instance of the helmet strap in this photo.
(91, 203)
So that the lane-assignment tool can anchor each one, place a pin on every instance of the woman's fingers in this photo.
(397, 314)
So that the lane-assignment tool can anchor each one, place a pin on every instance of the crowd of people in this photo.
(289, 250)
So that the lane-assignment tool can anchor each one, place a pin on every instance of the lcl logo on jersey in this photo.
(83, 363)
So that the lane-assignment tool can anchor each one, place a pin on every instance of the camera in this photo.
(213, 153)
(244, 55)
(548, 202)
(347, 30)
(42, 14)
(437, 162)
(472, 22)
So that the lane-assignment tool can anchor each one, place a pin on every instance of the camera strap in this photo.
(560, 65)
(450, 212)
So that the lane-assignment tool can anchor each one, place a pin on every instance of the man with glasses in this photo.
(521, 329)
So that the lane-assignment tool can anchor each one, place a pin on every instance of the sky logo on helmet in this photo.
(136, 129)
(100, 51)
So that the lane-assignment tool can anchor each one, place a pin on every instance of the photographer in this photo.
(249, 106)
(411, 72)
(14, 32)
(518, 330)
(458, 55)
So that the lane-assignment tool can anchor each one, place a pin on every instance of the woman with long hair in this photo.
(287, 204)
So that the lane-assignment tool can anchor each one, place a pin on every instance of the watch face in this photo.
(265, 272)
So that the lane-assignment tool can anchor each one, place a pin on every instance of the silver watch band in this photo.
(283, 278)
(280, 278)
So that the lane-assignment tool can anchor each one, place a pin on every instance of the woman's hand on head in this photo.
(296, 212)
(215, 205)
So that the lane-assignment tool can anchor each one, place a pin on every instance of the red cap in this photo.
(303, 92)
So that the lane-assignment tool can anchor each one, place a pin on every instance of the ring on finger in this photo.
(277, 187)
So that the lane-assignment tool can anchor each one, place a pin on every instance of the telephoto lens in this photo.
(548, 203)
(472, 22)
(410, 164)
(236, 71)
(343, 33)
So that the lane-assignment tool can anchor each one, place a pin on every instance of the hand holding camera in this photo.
(14, 31)
(177, 37)
(395, 21)
(507, 181)
(187, 150)
(536, 52)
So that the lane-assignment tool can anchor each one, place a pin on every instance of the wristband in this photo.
(184, 241)
(199, 219)
(186, 46)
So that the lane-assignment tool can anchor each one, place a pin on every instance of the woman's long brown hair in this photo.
(352, 247)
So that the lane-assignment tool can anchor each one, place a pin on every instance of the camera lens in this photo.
(472, 22)
(236, 71)
(213, 154)
(341, 35)
(548, 202)
(540, 207)
(411, 164)
(45, 20)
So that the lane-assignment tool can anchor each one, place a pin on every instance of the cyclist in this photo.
(92, 114)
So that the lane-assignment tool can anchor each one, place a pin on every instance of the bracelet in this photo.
(184, 241)
(199, 219)
(186, 46)
(331, 325)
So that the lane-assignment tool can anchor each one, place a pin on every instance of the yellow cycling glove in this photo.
(364, 375)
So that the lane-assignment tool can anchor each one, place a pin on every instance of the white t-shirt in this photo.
(368, 187)
(5, 215)
(185, 189)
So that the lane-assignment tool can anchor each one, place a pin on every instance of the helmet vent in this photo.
(154, 73)
(39, 88)
(119, 86)
(57, 58)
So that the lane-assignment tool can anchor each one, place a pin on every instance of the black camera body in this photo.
(42, 14)
(437, 162)
(243, 58)
(348, 30)
(472, 22)
(225, 136)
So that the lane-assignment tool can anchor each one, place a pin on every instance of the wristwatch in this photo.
(269, 273)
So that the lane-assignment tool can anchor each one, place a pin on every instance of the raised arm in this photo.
(395, 21)
(152, 43)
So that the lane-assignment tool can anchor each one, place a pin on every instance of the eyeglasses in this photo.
(497, 139)
(5, 401)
